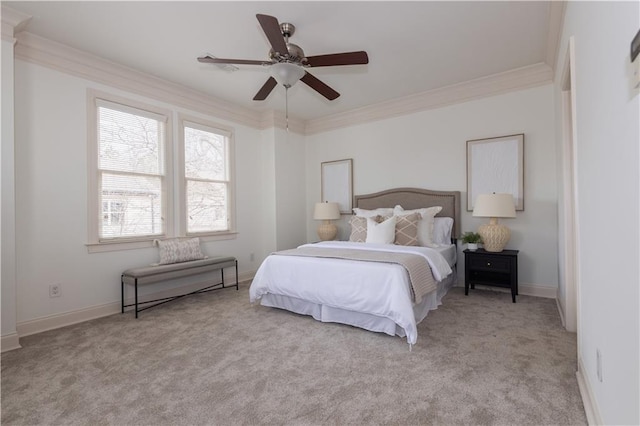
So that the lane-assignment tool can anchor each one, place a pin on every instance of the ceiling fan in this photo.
(288, 63)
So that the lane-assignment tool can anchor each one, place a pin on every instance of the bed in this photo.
(356, 288)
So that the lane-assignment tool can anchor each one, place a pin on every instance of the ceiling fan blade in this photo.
(210, 60)
(319, 86)
(266, 89)
(347, 58)
(271, 28)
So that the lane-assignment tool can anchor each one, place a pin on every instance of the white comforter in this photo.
(380, 289)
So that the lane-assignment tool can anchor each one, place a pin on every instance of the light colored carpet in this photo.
(216, 359)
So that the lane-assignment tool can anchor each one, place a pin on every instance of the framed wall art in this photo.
(337, 183)
(496, 165)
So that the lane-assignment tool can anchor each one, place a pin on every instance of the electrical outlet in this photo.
(55, 290)
(252, 257)
(599, 364)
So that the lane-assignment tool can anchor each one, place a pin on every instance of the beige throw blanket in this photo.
(420, 276)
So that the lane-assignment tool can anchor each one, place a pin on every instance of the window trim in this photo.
(95, 99)
(207, 126)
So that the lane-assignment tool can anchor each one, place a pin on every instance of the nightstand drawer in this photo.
(490, 263)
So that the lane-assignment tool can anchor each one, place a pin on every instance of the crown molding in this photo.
(12, 22)
(41, 51)
(554, 32)
(518, 79)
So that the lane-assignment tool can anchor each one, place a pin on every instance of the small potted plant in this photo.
(471, 239)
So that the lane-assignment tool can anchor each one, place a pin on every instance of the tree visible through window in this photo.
(206, 169)
(130, 172)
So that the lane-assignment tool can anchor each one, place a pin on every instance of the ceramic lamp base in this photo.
(327, 231)
(494, 237)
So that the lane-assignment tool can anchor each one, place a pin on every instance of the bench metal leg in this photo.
(122, 292)
(136, 301)
(137, 304)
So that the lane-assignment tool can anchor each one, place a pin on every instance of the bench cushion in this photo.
(151, 274)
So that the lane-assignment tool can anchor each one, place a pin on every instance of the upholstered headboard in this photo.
(415, 198)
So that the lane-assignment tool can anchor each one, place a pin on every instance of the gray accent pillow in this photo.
(177, 250)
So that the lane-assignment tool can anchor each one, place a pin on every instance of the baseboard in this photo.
(10, 342)
(588, 400)
(538, 290)
(524, 289)
(52, 322)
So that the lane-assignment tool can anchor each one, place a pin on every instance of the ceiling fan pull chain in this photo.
(286, 106)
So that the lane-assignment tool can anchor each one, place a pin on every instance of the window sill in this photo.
(133, 245)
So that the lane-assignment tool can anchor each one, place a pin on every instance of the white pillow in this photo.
(371, 213)
(381, 233)
(442, 227)
(425, 226)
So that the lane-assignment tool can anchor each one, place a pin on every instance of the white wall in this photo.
(428, 150)
(284, 201)
(291, 213)
(51, 199)
(608, 121)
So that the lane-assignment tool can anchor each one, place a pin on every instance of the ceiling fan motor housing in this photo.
(295, 54)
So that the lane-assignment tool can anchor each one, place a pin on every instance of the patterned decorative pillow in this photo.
(425, 226)
(358, 229)
(177, 250)
(407, 229)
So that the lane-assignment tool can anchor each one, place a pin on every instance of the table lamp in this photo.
(327, 212)
(494, 235)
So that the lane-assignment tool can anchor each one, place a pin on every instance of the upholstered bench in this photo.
(154, 274)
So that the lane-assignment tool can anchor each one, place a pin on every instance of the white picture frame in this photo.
(337, 183)
(496, 165)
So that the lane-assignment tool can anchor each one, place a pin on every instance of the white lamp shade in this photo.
(326, 211)
(494, 205)
(286, 73)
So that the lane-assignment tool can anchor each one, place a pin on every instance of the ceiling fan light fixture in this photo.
(287, 73)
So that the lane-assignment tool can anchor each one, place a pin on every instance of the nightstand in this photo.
(493, 269)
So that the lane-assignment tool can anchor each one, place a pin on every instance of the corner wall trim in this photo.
(561, 312)
(10, 342)
(588, 401)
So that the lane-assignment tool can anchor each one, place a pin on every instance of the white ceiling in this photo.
(413, 46)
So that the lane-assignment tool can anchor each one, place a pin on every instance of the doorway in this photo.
(571, 247)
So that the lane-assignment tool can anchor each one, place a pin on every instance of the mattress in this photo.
(376, 298)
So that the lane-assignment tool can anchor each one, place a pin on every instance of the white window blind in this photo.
(207, 178)
(131, 171)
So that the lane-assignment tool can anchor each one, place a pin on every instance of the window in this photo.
(131, 198)
(207, 191)
(131, 171)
